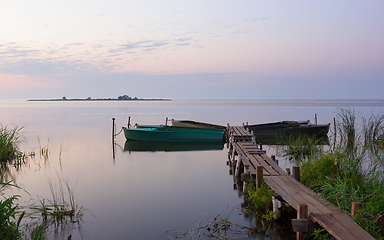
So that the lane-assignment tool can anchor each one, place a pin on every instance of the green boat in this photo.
(164, 133)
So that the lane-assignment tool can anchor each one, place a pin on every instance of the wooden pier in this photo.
(249, 159)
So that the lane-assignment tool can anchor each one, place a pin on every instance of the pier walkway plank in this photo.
(336, 221)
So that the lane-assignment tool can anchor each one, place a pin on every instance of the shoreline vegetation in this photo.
(120, 98)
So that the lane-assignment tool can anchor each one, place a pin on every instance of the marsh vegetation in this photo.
(349, 169)
(59, 214)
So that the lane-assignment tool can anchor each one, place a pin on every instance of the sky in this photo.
(211, 49)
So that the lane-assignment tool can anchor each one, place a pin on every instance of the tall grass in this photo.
(352, 170)
(10, 216)
(60, 214)
(9, 143)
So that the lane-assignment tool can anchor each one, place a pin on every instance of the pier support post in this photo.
(296, 172)
(259, 176)
(245, 176)
(238, 166)
(276, 206)
(356, 206)
(302, 214)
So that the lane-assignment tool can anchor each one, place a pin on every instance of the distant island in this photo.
(120, 98)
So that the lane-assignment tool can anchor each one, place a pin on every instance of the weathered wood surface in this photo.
(336, 221)
(240, 134)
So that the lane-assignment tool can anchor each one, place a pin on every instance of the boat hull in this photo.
(281, 132)
(173, 134)
(189, 123)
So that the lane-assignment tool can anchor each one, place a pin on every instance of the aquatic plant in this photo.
(62, 203)
(44, 150)
(299, 148)
(61, 214)
(9, 143)
(353, 170)
(37, 231)
(10, 216)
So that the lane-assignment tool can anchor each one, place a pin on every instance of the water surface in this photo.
(143, 194)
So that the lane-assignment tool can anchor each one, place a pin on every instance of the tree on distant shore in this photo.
(64, 98)
(124, 97)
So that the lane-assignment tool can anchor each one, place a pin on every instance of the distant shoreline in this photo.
(98, 99)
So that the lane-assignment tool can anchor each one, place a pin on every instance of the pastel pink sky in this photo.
(196, 49)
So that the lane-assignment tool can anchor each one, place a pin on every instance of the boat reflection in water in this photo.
(143, 146)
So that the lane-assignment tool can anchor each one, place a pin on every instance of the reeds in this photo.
(62, 203)
(10, 216)
(353, 170)
(9, 143)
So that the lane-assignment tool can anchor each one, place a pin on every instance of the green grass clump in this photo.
(316, 171)
(260, 204)
(10, 217)
(9, 143)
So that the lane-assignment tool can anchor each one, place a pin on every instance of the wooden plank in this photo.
(305, 193)
(256, 163)
(235, 131)
(250, 157)
(273, 164)
(265, 165)
(313, 207)
(336, 229)
(269, 180)
(272, 170)
(337, 223)
(247, 162)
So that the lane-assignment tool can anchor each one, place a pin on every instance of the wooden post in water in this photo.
(113, 130)
(302, 213)
(113, 138)
(129, 122)
(259, 176)
(315, 119)
(356, 206)
(296, 172)
(238, 166)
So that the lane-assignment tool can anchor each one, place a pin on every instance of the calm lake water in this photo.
(143, 194)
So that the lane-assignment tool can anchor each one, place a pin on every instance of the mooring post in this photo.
(113, 130)
(315, 119)
(302, 213)
(113, 138)
(260, 146)
(259, 176)
(129, 122)
(355, 207)
(288, 170)
(296, 172)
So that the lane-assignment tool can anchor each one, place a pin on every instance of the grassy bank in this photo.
(349, 169)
